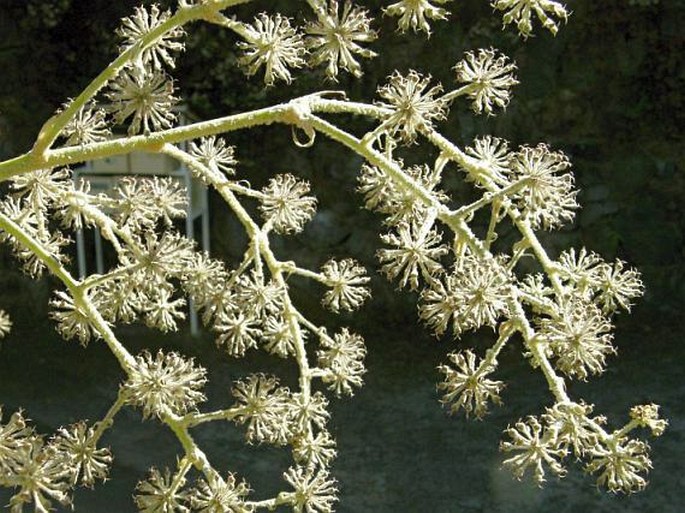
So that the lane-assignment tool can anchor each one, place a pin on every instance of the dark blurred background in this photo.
(608, 91)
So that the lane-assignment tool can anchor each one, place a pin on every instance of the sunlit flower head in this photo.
(414, 104)
(490, 77)
(273, 43)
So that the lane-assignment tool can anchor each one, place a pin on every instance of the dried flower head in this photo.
(580, 338)
(618, 286)
(400, 204)
(548, 198)
(286, 205)
(272, 42)
(73, 320)
(416, 13)
(314, 450)
(474, 294)
(145, 95)
(77, 444)
(41, 477)
(620, 464)
(315, 491)
(141, 24)
(336, 38)
(416, 251)
(161, 493)
(490, 77)
(238, 331)
(414, 105)
(647, 415)
(214, 153)
(492, 154)
(16, 439)
(347, 280)
(165, 383)
(263, 405)
(574, 426)
(342, 359)
(221, 496)
(87, 126)
(520, 11)
(466, 385)
(534, 448)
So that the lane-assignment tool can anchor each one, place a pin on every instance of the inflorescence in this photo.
(466, 279)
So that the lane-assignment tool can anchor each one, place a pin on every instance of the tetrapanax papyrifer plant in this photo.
(561, 314)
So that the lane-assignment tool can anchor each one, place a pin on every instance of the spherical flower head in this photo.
(520, 12)
(85, 460)
(278, 336)
(466, 385)
(548, 198)
(342, 359)
(221, 496)
(620, 464)
(647, 415)
(618, 286)
(286, 205)
(413, 103)
(582, 269)
(492, 155)
(415, 251)
(16, 438)
(42, 188)
(490, 77)
(315, 491)
(347, 280)
(162, 311)
(336, 38)
(165, 383)
(161, 493)
(145, 95)
(87, 126)
(258, 296)
(580, 338)
(73, 321)
(306, 411)
(41, 476)
(314, 450)
(238, 331)
(264, 406)
(399, 204)
(535, 447)
(416, 13)
(473, 295)
(271, 42)
(5, 324)
(214, 153)
(574, 426)
(139, 25)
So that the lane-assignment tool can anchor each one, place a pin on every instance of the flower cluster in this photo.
(473, 263)
(41, 471)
